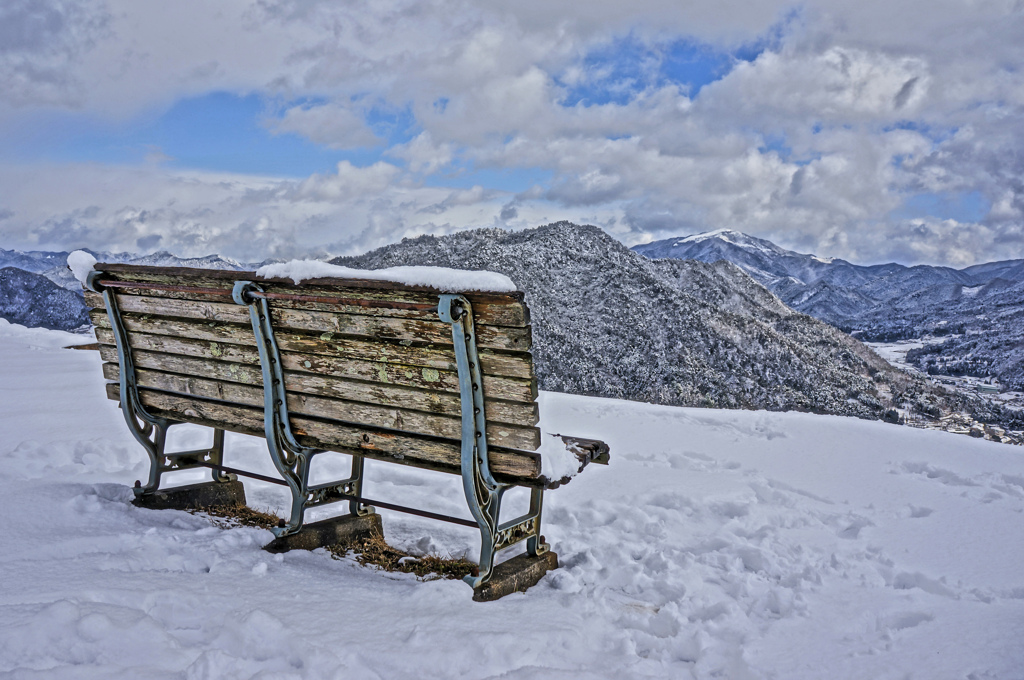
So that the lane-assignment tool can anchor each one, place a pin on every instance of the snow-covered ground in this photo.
(717, 544)
(896, 352)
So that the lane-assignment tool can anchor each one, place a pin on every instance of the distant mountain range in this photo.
(609, 322)
(692, 329)
(976, 312)
(35, 301)
(53, 264)
(38, 289)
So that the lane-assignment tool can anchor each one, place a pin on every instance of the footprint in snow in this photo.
(852, 530)
(904, 620)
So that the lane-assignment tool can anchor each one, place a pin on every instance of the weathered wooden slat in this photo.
(429, 330)
(392, 396)
(516, 466)
(495, 387)
(497, 309)
(299, 403)
(518, 365)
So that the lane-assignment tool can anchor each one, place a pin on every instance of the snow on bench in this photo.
(433, 370)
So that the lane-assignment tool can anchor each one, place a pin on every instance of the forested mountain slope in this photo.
(609, 322)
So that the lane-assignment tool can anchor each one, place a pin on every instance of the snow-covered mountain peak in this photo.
(748, 251)
(724, 234)
(601, 314)
(886, 302)
(731, 237)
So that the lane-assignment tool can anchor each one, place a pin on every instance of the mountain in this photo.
(762, 259)
(33, 300)
(62, 276)
(830, 289)
(610, 322)
(25, 298)
(35, 261)
(977, 312)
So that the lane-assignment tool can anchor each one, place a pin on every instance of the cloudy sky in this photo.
(874, 130)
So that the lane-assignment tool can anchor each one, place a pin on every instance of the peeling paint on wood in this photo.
(448, 426)
(496, 387)
(516, 365)
(397, 396)
(520, 467)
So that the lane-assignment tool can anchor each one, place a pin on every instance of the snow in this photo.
(736, 238)
(717, 544)
(704, 236)
(81, 264)
(896, 352)
(970, 291)
(440, 278)
(557, 461)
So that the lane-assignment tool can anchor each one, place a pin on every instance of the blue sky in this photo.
(963, 206)
(836, 127)
(627, 66)
(230, 132)
(218, 131)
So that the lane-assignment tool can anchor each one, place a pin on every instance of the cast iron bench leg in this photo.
(483, 492)
(291, 459)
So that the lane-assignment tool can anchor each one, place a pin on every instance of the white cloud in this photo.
(333, 126)
(423, 154)
(817, 141)
(347, 183)
(40, 41)
(838, 86)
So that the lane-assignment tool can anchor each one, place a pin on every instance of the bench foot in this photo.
(193, 496)
(346, 529)
(515, 575)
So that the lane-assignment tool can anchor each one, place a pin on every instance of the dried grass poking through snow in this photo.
(370, 551)
(375, 550)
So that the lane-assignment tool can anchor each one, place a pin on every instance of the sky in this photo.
(872, 131)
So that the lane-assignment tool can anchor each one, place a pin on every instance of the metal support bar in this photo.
(352, 498)
(483, 493)
(291, 459)
(217, 457)
(244, 473)
(410, 511)
(324, 494)
(108, 283)
(190, 460)
(189, 454)
(525, 528)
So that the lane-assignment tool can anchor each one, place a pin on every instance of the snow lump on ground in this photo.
(717, 544)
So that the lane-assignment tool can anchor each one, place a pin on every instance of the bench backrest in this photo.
(369, 366)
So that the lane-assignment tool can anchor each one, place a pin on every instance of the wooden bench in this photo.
(374, 369)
